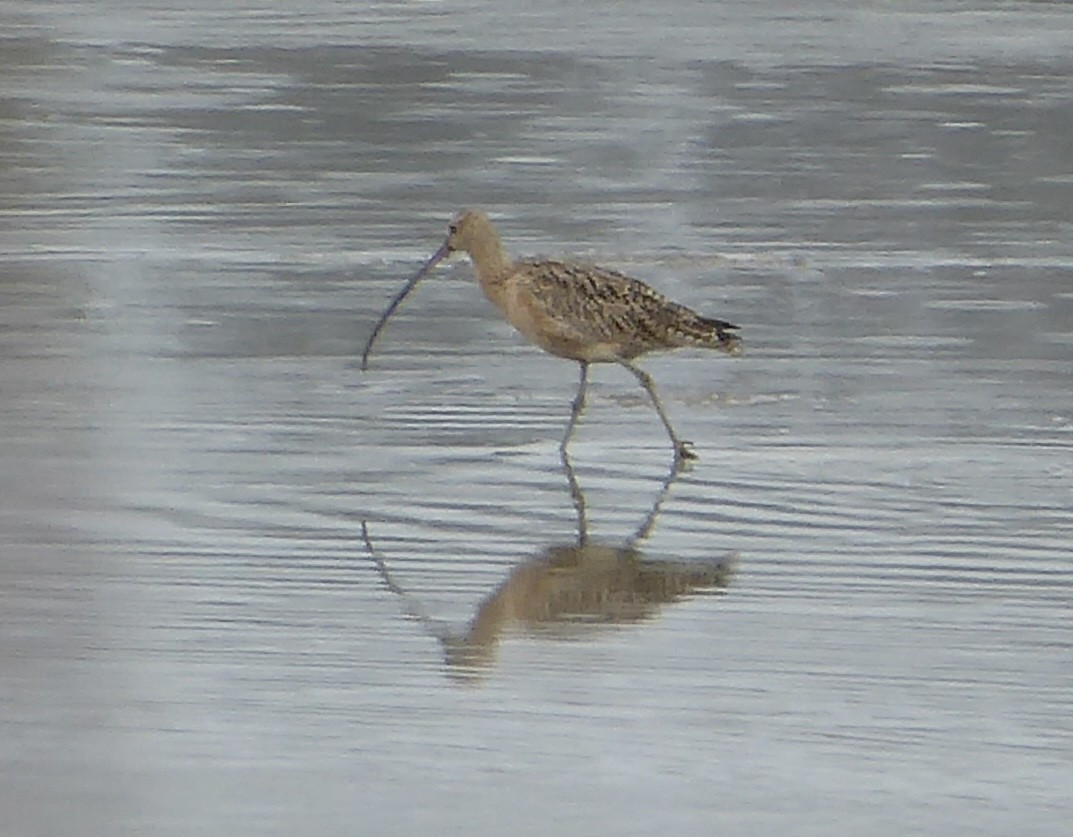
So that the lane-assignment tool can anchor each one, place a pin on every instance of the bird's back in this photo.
(596, 307)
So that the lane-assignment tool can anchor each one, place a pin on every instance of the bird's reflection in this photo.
(568, 589)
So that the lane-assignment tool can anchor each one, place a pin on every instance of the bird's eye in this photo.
(452, 228)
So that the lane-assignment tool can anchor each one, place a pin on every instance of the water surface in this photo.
(247, 588)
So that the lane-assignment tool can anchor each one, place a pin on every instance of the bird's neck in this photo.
(490, 262)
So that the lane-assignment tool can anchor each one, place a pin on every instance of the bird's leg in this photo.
(577, 407)
(683, 450)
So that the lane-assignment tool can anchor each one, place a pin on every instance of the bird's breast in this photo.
(532, 316)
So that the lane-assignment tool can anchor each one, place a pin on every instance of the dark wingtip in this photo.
(718, 325)
(729, 343)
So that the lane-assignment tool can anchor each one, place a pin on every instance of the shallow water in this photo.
(247, 588)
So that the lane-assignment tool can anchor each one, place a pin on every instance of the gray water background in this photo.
(203, 209)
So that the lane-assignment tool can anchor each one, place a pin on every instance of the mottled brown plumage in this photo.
(600, 307)
(578, 311)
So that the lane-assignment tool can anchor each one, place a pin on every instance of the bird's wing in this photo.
(598, 303)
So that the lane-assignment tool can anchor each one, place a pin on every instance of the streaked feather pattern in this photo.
(603, 305)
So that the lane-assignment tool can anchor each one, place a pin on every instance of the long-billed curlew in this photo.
(577, 311)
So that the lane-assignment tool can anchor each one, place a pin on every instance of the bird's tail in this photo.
(718, 334)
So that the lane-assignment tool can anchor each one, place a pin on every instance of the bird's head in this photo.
(466, 230)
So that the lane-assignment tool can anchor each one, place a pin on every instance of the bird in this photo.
(577, 311)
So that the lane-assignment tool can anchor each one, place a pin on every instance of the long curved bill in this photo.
(437, 257)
